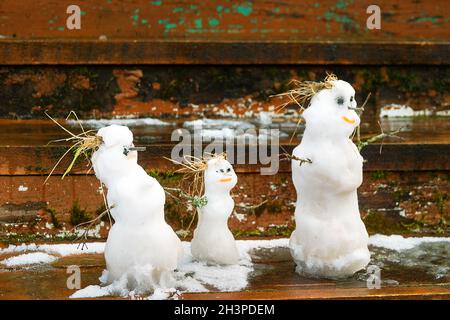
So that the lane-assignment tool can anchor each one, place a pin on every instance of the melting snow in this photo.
(192, 276)
(396, 110)
(29, 258)
(398, 243)
(218, 124)
(124, 122)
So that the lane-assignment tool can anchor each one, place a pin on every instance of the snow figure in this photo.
(142, 250)
(213, 242)
(330, 239)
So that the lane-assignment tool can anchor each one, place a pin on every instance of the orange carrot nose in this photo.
(225, 180)
(351, 121)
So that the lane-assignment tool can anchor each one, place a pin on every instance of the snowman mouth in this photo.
(225, 180)
(351, 121)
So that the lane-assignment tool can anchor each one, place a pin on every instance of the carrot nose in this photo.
(225, 180)
(351, 121)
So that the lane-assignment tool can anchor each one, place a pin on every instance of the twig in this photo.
(381, 136)
(292, 157)
(89, 224)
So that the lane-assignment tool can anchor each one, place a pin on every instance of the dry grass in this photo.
(304, 91)
(84, 143)
(194, 170)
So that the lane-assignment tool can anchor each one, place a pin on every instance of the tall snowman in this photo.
(142, 249)
(213, 241)
(330, 239)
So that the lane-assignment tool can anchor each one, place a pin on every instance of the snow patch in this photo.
(29, 258)
(397, 110)
(22, 188)
(64, 249)
(217, 124)
(398, 243)
(94, 123)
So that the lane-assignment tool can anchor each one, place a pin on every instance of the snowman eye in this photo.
(351, 99)
(221, 170)
(229, 169)
(340, 100)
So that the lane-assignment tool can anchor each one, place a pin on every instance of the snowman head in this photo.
(112, 158)
(219, 175)
(331, 111)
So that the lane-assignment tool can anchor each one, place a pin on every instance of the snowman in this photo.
(330, 239)
(213, 242)
(142, 250)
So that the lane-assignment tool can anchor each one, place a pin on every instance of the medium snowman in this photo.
(213, 242)
(141, 249)
(330, 239)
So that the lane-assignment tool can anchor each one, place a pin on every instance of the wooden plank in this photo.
(411, 292)
(227, 20)
(23, 160)
(76, 52)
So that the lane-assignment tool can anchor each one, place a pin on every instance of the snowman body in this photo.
(330, 239)
(213, 242)
(141, 249)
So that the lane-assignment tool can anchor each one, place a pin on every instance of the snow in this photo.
(217, 124)
(399, 243)
(92, 291)
(191, 276)
(28, 259)
(64, 249)
(194, 276)
(396, 110)
(265, 118)
(98, 123)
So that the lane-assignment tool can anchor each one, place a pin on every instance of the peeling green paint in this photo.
(156, 3)
(341, 4)
(170, 25)
(60, 29)
(245, 9)
(198, 23)
(213, 22)
(421, 19)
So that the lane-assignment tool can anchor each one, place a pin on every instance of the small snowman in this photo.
(330, 239)
(141, 249)
(213, 241)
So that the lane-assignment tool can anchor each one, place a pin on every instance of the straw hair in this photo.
(305, 90)
(194, 168)
(84, 143)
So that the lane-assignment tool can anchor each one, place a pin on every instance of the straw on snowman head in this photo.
(305, 90)
(194, 168)
(84, 143)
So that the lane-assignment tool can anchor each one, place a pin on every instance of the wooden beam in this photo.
(23, 160)
(129, 52)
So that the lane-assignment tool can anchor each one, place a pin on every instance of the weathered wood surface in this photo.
(23, 160)
(224, 32)
(129, 52)
(327, 292)
(264, 284)
(227, 20)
